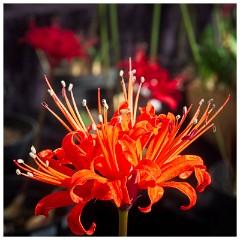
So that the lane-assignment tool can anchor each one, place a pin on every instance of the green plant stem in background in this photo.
(114, 32)
(123, 222)
(155, 31)
(190, 33)
(104, 36)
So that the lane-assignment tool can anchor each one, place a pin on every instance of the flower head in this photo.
(56, 43)
(114, 159)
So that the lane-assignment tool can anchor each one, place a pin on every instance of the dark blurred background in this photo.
(24, 86)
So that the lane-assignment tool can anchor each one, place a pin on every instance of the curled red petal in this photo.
(178, 166)
(203, 178)
(185, 188)
(80, 178)
(74, 219)
(155, 194)
(51, 201)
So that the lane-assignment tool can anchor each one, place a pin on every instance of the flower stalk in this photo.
(123, 222)
(104, 36)
(190, 33)
(155, 30)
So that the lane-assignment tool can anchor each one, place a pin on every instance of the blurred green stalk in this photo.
(104, 36)
(155, 30)
(190, 33)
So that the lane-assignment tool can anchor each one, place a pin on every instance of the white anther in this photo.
(130, 73)
(18, 172)
(29, 174)
(214, 129)
(33, 149)
(84, 102)
(20, 161)
(142, 79)
(70, 87)
(134, 71)
(178, 117)
(50, 92)
(104, 102)
(119, 119)
(63, 83)
(195, 121)
(133, 78)
(100, 118)
(210, 100)
(32, 155)
(201, 102)
(184, 110)
(121, 73)
(94, 127)
(123, 111)
(106, 106)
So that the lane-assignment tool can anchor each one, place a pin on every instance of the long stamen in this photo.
(69, 106)
(62, 107)
(137, 98)
(56, 116)
(123, 85)
(75, 107)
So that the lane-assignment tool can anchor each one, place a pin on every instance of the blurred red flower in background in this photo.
(158, 83)
(57, 43)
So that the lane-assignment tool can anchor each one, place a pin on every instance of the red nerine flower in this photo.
(158, 83)
(114, 159)
(56, 43)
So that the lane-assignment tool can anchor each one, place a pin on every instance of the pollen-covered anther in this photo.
(104, 102)
(195, 121)
(20, 161)
(63, 83)
(106, 106)
(210, 100)
(51, 92)
(121, 73)
(178, 117)
(214, 128)
(84, 102)
(47, 163)
(29, 174)
(184, 110)
(123, 111)
(70, 87)
(94, 127)
(18, 172)
(100, 118)
(33, 150)
(119, 119)
(142, 79)
(32, 155)
(201, 102)
(134, 71)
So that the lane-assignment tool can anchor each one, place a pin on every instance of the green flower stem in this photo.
(123, 222)
(190, 33)
(104, 36)
(155, 30)
(114, 31)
